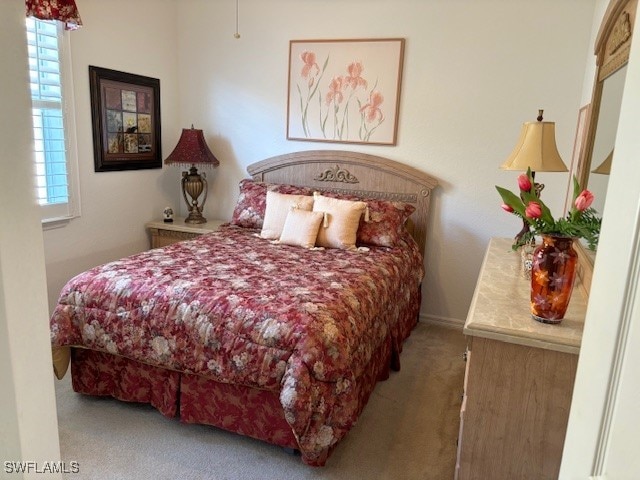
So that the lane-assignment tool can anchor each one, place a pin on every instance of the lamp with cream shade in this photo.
(536, 150)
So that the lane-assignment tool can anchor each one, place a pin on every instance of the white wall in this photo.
(474, 71)
(135, 37)
(28, 422)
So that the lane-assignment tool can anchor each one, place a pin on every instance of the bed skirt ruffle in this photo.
(245, 410)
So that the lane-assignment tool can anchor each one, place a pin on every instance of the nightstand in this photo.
(163, 234)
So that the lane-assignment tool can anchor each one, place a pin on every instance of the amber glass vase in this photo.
(552, 275)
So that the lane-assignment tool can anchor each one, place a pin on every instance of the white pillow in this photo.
(277, 208)
(341, 221)
(301, 228)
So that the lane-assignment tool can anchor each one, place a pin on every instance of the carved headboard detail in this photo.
(336, 174)
(364, 175)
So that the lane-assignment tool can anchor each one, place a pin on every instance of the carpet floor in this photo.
(407, 431)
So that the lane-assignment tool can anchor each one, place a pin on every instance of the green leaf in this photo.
(576, 187)
(546, 214)
(511, 199)
(530, 197)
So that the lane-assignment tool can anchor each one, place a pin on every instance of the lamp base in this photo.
(525, 229)
(194, 183)
(195, 217)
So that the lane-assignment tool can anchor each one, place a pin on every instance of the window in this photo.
(53, 121)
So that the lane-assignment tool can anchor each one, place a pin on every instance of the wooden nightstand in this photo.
(163, 234)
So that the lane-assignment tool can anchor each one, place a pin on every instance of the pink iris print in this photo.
(335, 90)
(309, 60)
(372, 109)
(354, 79)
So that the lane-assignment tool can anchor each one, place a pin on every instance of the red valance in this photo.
(62, 10)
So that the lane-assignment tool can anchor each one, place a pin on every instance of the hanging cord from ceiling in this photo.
(237, 34)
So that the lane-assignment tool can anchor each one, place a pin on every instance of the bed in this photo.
(278, 340)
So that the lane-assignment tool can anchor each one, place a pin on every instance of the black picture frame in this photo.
(125, 116)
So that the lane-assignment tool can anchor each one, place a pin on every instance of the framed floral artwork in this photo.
(125, 115)
(345, 91)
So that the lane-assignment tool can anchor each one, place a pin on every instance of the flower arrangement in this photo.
(580, 222)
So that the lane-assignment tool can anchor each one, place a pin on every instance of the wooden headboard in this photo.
(361, 174)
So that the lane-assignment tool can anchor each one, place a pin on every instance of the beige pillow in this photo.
(278, 206)
(340, 225)
(301, 228)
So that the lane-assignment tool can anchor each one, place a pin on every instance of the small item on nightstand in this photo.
(168, 215)
(526, 252)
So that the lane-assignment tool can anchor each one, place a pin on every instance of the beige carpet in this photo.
(408, 431)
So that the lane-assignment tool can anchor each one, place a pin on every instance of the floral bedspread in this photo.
(239, 309)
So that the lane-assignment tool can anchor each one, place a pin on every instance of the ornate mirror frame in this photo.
(612, 48)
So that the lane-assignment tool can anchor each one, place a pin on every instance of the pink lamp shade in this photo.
(192, 150)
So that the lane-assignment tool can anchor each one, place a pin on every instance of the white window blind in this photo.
(51, 124)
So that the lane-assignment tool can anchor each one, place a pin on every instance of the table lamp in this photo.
(193, 150)
(536, 149)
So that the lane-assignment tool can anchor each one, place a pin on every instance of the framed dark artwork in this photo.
(125, 115)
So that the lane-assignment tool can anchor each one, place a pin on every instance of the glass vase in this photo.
(552, 276)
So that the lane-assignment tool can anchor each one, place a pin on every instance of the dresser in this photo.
(519, 376)
(163, 234)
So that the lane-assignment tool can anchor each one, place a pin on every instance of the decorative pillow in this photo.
(301, 228)
(341, 220)
(252, 201)
(277, 209)
(385, 222)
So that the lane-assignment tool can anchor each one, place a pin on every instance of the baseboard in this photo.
(447, 322)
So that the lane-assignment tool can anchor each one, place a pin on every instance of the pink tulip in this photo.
(533, 210)
(524, 183)
(584, 200)
(507, 208)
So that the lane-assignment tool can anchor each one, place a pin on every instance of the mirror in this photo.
(612, 54)
(602, 155)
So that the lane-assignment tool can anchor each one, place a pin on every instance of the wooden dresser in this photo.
(519, 377)
(163, 234)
